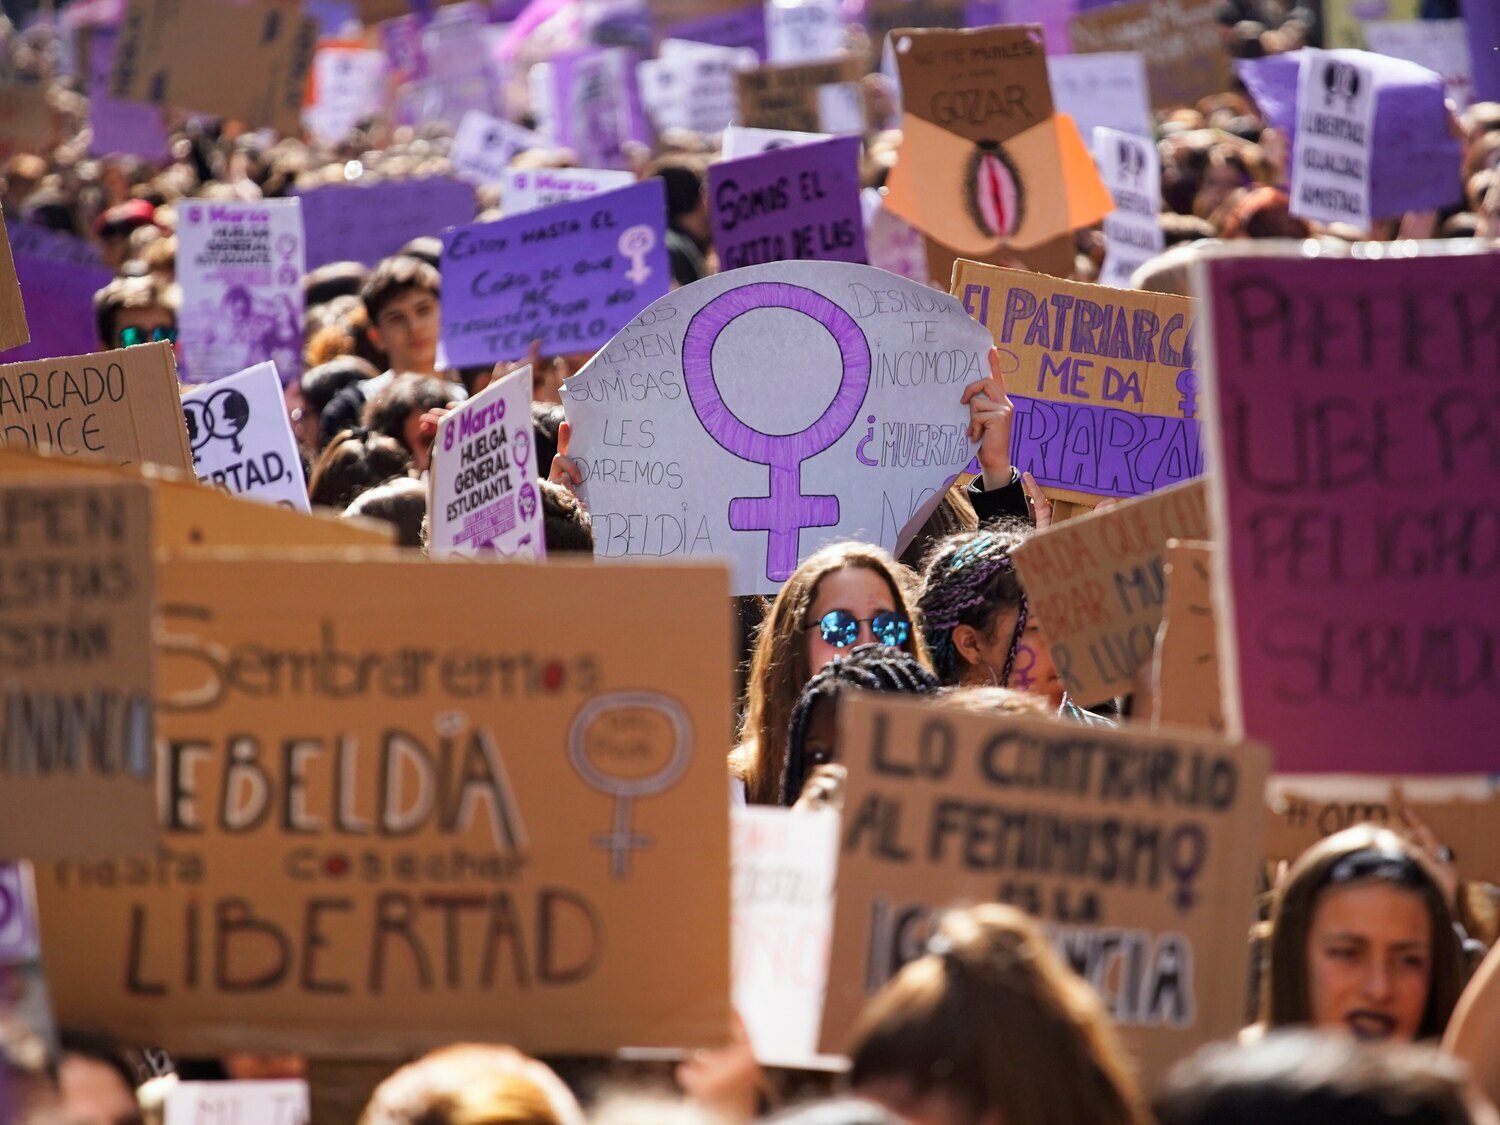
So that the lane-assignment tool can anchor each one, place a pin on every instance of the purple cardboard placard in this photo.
(570, 275)
(597, 105)
(364, 223)
(1483, 18)
(743, 27)
(1415, 161)
(59, 276)
(120, 127)
(797, 203)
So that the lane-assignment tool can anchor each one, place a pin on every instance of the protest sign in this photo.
(743, 27)
(483, 481)
(1344, 20)
(1348, 410)
(242, 439)
(232, 1103)
(595, 104)
(1103, 380)
(1180, 39)
(59, 276)
(984, 161)
(817, 97)
(803, 30)
(121, 406)
(247, 61)
(1131, 168)
(119, 127)
(367, 222)
(800, 202)
(76, 753)
(1137, 851)
(528, 189)
(240, 266)
(782, 876)
(692, 86)
(18, 923)
(891, 242)
(25, 120)
(1097, 586)
(484, 146)
(739, 141)
(1335, 129)
(1187, 688)
(884, 16)
(1484, 60)
(1107, 89)
(761, 413)
(362, 853)
(348, 88)
(13, 330)
(1439, 45)
(571, 275)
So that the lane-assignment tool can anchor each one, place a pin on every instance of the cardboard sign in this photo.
(1107, 90)
(349, 87)
(242, 438)
(792, 203)
(120, 406)
(367, 222)
(820, 97)
(570, 276)
(984, 161)
(1131, 169)
(59, 276)
(1439, 45)
(1335, 129)
(25, 120)
(739, 141)
(744, 26)
(1180, 39)
(594, 105)
(1103, 380)
(230, 1103)
(119, 127)
(1137, 850)
(1097, 585)
(240, 266)
(76, 754)
(484, 146)
(803, 30)
(692, 86)
(529, 189)
(484, 493)
(1359, 628)
(1186, 672)
(784, 863)
(246, 61)
(13, 330)
(1484, 32)
(884, 16)
(759, 414)
(367, 856)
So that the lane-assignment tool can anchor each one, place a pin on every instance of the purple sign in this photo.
(570, 275)
(788, 204)
(59, 276)
(596, 105)
(1483, 18)
(1414, 156)
(743, 27)
(119, 127)
(364, 223)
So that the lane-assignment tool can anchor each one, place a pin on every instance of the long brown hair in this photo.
(779, 669)
(1286, 995)
(992, 1018)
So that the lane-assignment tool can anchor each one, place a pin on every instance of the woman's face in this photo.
(1369, 960)
(1032, 670)
(858, 589)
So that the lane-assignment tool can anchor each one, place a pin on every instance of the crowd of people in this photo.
(1377, 1002)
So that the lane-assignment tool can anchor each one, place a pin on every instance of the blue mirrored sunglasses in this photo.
(130, 337)
(840, 627)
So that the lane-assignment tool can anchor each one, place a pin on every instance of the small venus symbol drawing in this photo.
(1187, 383)
(635, 243)
(784, 511)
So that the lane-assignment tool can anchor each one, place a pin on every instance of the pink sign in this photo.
(1356, 454)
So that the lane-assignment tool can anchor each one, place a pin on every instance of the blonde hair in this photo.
(472, 1084)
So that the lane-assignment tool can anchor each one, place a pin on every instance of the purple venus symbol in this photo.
(784, 511)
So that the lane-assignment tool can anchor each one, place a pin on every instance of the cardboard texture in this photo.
(248, 62)
(787, 97)
(1097, 586)
(13, 330)
(1354, 492)
(1103, 380)
(1053, 258)
(188, 515)
(1185, 55)
(382, 838)
(1139, 852)
(1188, 692)
(76, 752)
(25, 120)
(984, 160)
(121, 406)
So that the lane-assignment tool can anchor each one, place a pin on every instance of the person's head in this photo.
(811, 733)
(566, 525)
(979, 624)
(334, 279)
(402, 297)
(687, 206)
(135, 310)
(114, 227)
(472, 1084)
(1361, 939)
(238, 303)
(990, 1027)
(400, 501)
(1265, 212)
(837, 598)
(1312, 1078)
(355, 460)
(397, 413)
(94, 1081)
(319, 385)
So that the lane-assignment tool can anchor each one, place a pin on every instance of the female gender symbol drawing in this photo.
(784, 511)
